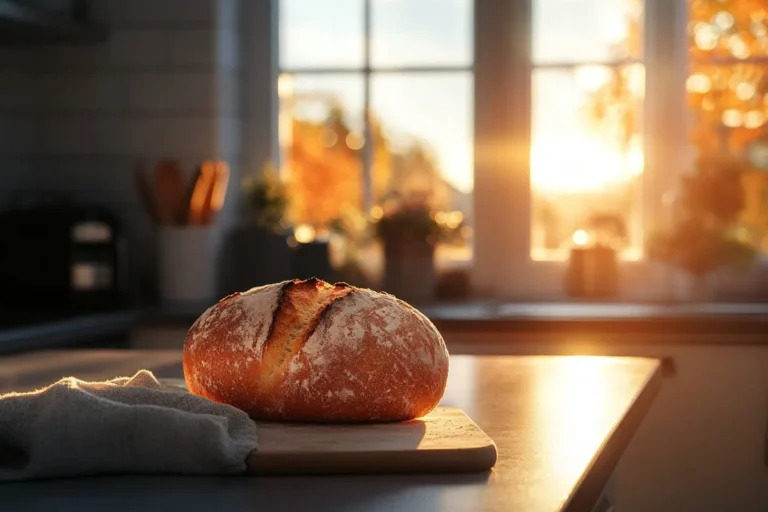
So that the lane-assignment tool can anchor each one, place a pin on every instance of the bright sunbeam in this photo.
(578, 163)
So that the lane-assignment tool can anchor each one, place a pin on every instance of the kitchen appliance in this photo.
(48, 21)
(61, 257)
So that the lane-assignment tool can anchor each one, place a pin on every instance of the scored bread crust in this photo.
(312, 351)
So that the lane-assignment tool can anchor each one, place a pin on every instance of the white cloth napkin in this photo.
(124, 425)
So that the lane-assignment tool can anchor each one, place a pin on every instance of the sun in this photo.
(578, 162)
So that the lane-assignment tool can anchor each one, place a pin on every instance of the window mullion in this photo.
(502, 195)
(665, 123)
(368, 149)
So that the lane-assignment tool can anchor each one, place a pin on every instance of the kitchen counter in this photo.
(42, 329)
(560, 423)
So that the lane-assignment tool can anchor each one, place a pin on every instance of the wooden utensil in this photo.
(145, 193)
(218, 193)
(169, 187)
(189, 193)
(200, 193)
(209, 193)
(444, 441)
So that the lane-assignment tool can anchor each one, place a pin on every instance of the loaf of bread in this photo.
(312, 351)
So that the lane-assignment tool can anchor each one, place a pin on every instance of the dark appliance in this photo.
(60, 258)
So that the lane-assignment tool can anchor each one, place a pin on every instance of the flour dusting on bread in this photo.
(310, 350)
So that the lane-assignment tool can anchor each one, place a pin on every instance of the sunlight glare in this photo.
(454, 219)
(285, 85)
(574, 407)
(304, 233)
(754, 119)
(579, 163)
(580, 237)
(698, 83)
(732, 118)
(592, 78)
(745, 91)
(738, 47)
(636, 82)
(724, 20)
(705, 36)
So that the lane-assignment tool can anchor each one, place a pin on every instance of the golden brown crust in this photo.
(312, 351)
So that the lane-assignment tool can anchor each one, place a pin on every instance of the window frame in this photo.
(502, 265)
(366, 71)
(502, 69)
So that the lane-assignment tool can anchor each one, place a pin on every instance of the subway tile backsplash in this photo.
(77, 118)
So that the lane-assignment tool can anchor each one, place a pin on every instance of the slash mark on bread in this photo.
(301, 307)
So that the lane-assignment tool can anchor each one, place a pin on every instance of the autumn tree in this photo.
(727, 92)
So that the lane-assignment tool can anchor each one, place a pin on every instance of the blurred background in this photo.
(537, 176)
(438, 149)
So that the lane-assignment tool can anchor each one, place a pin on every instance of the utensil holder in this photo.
(188, 264)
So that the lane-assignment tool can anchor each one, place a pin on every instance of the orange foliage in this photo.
(728, 97)
(324, 174)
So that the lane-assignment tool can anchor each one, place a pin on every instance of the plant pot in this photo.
(252, 256)
(689, 288)
(313, 260)
(409, 270)
(593, 272)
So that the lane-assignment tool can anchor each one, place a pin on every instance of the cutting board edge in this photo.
(473, 460)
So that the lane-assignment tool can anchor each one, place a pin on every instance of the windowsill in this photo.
(718, 323)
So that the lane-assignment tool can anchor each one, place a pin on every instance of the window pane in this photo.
(586, 158)
(421, 32)
(727, 28)
(586, 30)
(729, 108)
(321, 125)
(424, 131)
(321, 33)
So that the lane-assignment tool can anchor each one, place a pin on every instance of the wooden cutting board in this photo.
(444, 441)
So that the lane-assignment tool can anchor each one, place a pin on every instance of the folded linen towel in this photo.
(124, 425)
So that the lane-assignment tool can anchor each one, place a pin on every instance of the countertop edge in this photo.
(78, 329)
(596, 475)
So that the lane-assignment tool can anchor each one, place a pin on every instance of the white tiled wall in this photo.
(166, 83)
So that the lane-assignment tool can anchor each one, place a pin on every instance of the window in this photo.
(586, 123)
(728, 95)
(375, 109)
(530, 121)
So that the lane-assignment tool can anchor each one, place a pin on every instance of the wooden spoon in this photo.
(218, 190)
(191, 186)
(169, 185)
(200, 193)
(209, 193)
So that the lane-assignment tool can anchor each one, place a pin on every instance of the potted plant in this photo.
(265, 200)
(256, 250)
(593, 270)
(409, 233)
(351, 242)
(701, 235)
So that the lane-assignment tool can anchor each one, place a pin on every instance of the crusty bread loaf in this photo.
(312, 351)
